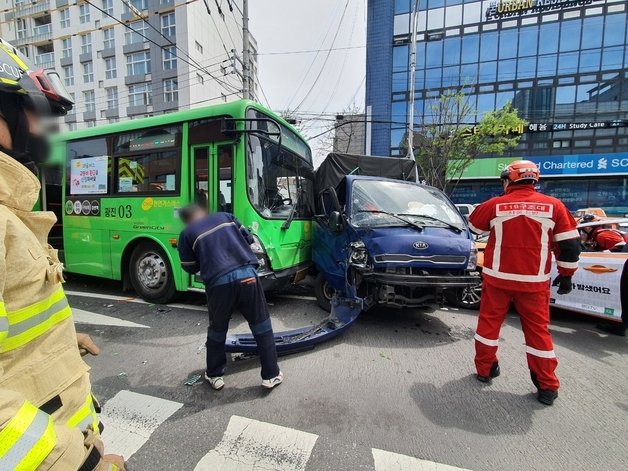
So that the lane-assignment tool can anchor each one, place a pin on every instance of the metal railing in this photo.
(45, 60)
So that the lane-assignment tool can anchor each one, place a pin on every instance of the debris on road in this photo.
(192, 379)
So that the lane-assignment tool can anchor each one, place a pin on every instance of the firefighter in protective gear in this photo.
(48, 415)
(525, 228)
(600, 238)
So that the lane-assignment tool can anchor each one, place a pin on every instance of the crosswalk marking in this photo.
(88, 317)
(130, 419)
(387, 461)
(249, 445)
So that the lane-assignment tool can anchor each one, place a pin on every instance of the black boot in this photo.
(494, 373)
(546, 396)
(613, 328)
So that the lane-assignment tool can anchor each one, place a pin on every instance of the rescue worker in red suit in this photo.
(525, 228)
(600, 238)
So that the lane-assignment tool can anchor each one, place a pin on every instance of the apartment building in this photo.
(127, 59)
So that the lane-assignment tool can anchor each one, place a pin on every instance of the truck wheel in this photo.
(151, 274)
(323, 292)
(465, 298)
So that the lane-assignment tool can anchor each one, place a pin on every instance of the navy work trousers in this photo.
(247, 296)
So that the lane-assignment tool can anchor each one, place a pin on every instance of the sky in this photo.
(311, 84)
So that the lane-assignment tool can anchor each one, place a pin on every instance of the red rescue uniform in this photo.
(608, 239)
(525, 228)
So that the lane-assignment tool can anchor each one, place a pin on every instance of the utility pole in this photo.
(415, 23)
(246, 53)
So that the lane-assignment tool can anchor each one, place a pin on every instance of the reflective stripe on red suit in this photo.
(525, 228)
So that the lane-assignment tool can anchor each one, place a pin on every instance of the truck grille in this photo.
(434, 259)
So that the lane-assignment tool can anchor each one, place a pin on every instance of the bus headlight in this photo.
(473, 258)
(262, 257)
(358, 255)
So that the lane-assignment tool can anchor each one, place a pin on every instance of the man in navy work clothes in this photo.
(218, 247)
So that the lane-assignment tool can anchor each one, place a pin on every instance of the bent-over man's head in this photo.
(191, 213)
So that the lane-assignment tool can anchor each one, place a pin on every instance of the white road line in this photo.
(387, 461)
(296, 296)
(87, 317)
(249, 445)
(130, 419)
(126, 299)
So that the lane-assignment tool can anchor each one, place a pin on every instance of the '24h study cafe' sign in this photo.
(507, 8)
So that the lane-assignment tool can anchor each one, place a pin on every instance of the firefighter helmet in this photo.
(521, 170)
(42, 89)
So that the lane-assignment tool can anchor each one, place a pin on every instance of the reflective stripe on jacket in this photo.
(45, 393)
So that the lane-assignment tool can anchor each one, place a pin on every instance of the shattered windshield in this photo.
(372, 199)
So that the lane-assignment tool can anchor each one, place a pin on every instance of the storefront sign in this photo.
(554, 165)
(88, 176)
(551, 127)
(500, 9)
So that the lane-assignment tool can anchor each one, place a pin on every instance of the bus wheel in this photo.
(323, 292)
(151, 274)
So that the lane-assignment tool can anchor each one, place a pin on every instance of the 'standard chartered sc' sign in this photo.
(508, 8)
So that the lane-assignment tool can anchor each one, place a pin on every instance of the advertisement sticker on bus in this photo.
(89, 176)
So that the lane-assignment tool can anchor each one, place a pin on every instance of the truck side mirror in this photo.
(335, 222)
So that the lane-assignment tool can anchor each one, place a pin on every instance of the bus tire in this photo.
(151, 274)
(323, 292)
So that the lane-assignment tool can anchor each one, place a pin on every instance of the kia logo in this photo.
(420, 245)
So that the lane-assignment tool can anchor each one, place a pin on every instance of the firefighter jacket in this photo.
(525, 228)
(608, 239)
(47, 413)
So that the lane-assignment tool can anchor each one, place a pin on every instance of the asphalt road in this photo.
(398, 381)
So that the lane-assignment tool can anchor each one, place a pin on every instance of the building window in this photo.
(110, 68)
(71, 126)
(89, 97)
(171, 90)
(200, 79)
(113, 120)
(109, 38)
(84, 16)
(68, 75)
(136, 33)
(561, 143)
(86, 43)
(88, 72)
(24, 50)
(168, 27)
(91, 123)
(66, 48)
(139, 94)
(138, 63)
(198, 47)
(170, 57)
(65, 18)
(112, 98)
(107, 6)
(138, 4)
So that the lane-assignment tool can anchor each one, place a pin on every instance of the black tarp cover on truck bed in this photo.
(336, 166)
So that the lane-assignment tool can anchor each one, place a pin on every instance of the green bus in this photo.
(122, 184)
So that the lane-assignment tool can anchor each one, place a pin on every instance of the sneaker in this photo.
(494, 373)
(272, 382)
(546, 396)
(217, 383)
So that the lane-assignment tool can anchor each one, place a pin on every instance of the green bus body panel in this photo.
(96, 245)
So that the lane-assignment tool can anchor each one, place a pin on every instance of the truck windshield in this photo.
(279, 179)
(372, 199)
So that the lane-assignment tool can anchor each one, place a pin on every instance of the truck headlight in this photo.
(262, 257)
(473, 258)
(358, 255)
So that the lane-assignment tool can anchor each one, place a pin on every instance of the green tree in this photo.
(452, 140)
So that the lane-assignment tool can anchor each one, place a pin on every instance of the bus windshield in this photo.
(279, 179)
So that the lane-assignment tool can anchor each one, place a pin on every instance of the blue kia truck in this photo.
(381, 238)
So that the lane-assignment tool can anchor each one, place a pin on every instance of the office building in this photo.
(134, 58)
(563, 65)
